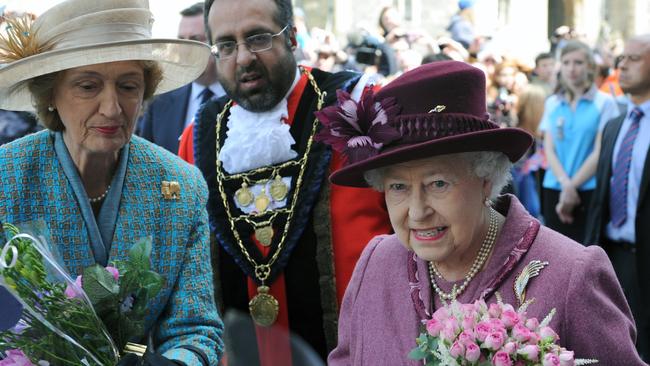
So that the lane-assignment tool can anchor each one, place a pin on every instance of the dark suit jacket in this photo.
(164, 120)
(598, 215)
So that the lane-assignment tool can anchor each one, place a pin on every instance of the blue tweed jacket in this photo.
(184, 313)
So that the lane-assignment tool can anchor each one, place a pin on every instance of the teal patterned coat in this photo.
(34, 187)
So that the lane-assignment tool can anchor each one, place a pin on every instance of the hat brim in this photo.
(513, 142)
(181, 61)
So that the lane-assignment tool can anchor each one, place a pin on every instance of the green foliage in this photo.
(52, 320)
(122, 304)
(425, 350)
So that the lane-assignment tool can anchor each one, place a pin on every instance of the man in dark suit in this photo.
(619, 218)
(169, 114)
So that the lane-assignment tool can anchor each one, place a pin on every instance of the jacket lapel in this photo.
(645, 180)
(608, 143)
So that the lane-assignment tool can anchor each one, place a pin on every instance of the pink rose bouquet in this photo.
(495, 334)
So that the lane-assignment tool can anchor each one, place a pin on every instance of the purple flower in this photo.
(127, 304)
(114, 271)
(358, 130)
(15, 357)
(20, 327)
(74, 291)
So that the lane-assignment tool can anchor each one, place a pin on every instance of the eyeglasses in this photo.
(255, 43)
(631, 58)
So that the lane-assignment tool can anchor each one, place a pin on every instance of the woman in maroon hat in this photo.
(425, 140)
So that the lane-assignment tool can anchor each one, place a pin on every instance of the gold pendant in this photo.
(262, 201)
(243, 195)
(279, 190)
(264, 235)
(264, 307)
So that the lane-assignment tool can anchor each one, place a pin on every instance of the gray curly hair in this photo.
(490, 165)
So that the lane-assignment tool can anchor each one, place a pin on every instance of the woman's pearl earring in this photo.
(487, 202)
(50, 108)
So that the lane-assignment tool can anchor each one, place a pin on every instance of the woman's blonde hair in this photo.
(42, 89)
(530, 108)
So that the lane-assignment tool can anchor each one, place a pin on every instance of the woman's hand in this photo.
(569, 200)
(564, 212)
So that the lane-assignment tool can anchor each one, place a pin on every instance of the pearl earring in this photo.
(487, 202)
(50, 108)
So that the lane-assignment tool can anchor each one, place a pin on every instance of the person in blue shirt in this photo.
(572, 123)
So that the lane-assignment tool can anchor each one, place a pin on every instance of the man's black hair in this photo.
(283, 16)
(196, 9)
(543, 56)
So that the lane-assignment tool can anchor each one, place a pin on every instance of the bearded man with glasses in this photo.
(287, 241)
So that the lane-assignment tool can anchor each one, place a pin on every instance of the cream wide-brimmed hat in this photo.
(77, 33)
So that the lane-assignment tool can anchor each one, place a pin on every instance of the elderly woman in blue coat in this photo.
(425, 140)
(85, 68)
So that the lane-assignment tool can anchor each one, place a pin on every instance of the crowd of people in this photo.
(335, 195)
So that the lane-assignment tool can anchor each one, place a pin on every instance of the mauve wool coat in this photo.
(378, 323)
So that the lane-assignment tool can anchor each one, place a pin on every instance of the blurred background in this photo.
(517, 27)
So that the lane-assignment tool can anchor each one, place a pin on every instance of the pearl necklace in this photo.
(483, 253)
(101, 197)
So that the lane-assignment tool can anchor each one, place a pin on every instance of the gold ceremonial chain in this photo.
(479, 261)
(263, 306)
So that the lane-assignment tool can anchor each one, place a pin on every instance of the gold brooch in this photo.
(531, 270)
(171, 190)
(438, 108)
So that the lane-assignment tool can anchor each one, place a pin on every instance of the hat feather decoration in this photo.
(20, 40)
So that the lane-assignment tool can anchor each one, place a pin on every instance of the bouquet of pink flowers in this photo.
(87, 321)
(478, 334)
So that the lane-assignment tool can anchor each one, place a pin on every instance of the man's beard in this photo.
(279, 80)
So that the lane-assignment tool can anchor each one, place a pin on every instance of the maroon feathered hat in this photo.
(435, 109)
